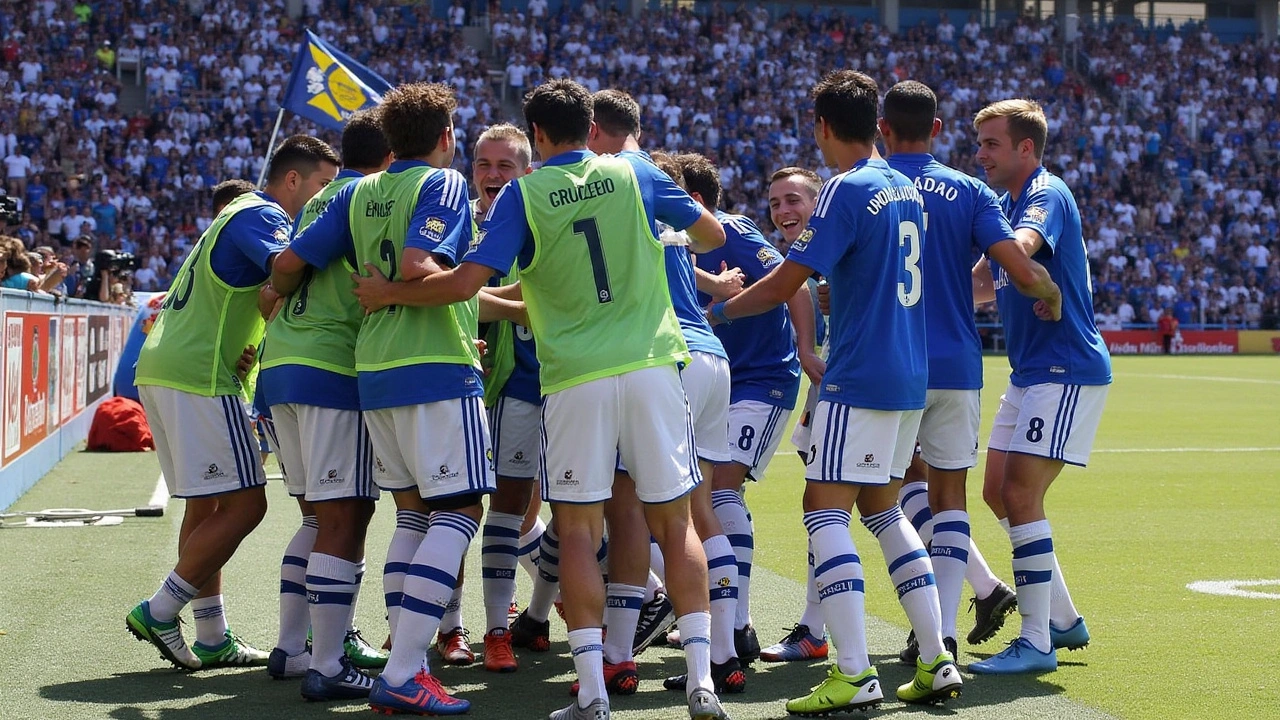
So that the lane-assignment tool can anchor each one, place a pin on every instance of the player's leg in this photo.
(291, 657)
(531, 535)
(624, 593)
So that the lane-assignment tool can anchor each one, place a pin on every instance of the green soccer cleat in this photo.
(233, 652)
(361, 654)
(840, 693)
(165, 636)
(936, 682)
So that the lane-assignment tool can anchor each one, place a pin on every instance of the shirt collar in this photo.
(570, 157)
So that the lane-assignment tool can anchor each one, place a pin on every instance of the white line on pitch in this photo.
(1208, 378)
(1189, 450)
(159, 496)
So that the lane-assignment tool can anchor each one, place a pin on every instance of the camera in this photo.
(115, 261)
(9, 212)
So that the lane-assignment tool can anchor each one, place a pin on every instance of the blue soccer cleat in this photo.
(1020, 658)
(1073, 638)
(422, 695)
(349, 684)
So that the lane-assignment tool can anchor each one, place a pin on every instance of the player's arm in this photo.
(442, 288)
(506, 292)
(801, 307)
(706, 233)
(984, 287)
(1028, 276)
(720, 286)
(325, 240)
(779, 286)
(673, 206)
(494, 308)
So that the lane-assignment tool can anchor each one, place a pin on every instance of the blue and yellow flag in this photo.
(327, 86)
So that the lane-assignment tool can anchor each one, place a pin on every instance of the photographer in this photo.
(83, 270)
(112, 267)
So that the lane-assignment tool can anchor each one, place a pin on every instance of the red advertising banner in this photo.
(1188, 342)
(26, 367)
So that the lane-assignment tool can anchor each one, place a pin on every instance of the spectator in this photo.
(1168, 329)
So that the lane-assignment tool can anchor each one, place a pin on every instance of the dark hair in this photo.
(616, 113)
(562, 109)
(667, 164)
(847, 101)
(364, 147)
(700, 176)
(909, 110)
(414, 116)
(300, 153)
(228, 190)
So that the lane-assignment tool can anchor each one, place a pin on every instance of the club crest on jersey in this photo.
(1035, 215)
(476, 239)
(802, 242)
(281, 235)
(767, 256)
(433, 229)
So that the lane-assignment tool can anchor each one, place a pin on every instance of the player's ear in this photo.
(937, 127)
(883, 127)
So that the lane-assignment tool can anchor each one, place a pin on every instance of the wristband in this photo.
(717, 312)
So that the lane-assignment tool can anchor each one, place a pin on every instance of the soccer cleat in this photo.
(989, 613)
(656, 616)
(1020, 658)
(498, 656)
(454, 648)
(705, 706)
(350, 684)
(934, 683)
(619, 679)
(422, 695)
(513, 612)
(746, 644)
(233, 652)
(165, 636)
(799, 644)
(840, 693)
(529, 633)
(361, 653)
(598, 709)
(911, 653)
(1073, 638)
(727, 677)
(282, 666)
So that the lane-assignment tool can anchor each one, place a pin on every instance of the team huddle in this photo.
(598, 326)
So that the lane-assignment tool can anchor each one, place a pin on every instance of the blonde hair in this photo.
(512, 134)
(808, 178)
(1026, 121)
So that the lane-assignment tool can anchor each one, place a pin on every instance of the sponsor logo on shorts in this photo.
(519, 459)
(444, 474)
(869, 462)
(377, 462)
(213, 472)
(567, 479)
(331, 478)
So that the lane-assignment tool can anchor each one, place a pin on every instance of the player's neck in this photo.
(908, 148)
(282, 196)
(1019, 181)
(848, 154)
(550, 150)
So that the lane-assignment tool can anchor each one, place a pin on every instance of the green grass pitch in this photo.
(1182, 487)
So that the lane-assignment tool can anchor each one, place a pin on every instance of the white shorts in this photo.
(706, 384)
(949, 429)
(861, 446)
(516, 427)
(1049, 420)
(802, 435)
(441, 448)
(205, 444)
(755, 430)
(325, 453)
(640, 417)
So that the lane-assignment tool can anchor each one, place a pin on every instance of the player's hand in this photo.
(813, 366)
(824, 298)
(269, 302)
(729, 282)
(1050, 309)
(373, 289)
(481, 346)
(711, 320)
(246, 361)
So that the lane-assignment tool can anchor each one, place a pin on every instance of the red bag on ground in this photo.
(120, 425)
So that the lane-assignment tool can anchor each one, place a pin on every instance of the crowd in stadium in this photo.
(1176, 180)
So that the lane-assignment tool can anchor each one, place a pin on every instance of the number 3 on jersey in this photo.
(909, 236)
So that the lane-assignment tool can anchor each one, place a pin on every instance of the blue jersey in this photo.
(1070, 351)
(763, 365)
(865, 238)
(443, 196)
(960, 213)
(255, 235)
(523, 383)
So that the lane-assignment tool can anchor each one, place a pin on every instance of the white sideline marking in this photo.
(1209, 378)
(159, 496)
(1231, 588)
(1189, 450)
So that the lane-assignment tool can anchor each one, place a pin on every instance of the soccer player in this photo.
(187, 382)
(961, 214)
(1049, 414)
(592, 275)
(865, 238)
(766, 354)
(308, 380)
(418, 371)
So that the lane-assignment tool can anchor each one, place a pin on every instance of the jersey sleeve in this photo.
(441, 221)
(823, 242)
(989, 223)
(671, 204)
(328, 237)
(505, 234)
(748, 250)
(259, 233)
(1044, 212)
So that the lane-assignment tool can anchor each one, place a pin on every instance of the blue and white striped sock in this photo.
(950, 557)
(731, 510)
(913, 498)
(529, 543)
(837, 573)
(211, 620)
(295, 617)
(722, 582)
(499, 547)
(1033, 565)
(173, 595)
(695, 639)
(588, 660)
(431, 577)
(547, 583)
(621, 614)
(912, 575)
(411, 528)
(331, 592)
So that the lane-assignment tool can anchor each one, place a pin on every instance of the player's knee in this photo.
(249, 506)
(467, 504)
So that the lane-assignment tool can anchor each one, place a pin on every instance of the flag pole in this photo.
(271, 146)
